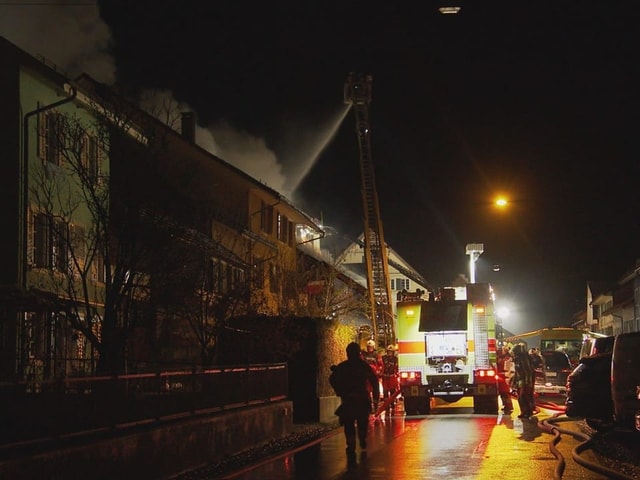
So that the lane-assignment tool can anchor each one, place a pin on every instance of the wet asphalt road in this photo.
(450, 443)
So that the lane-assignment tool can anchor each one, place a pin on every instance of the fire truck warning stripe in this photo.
(411, 347)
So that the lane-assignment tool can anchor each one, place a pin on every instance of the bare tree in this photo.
(91, 237)
(221, 277)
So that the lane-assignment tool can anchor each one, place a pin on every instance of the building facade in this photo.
(122, 234)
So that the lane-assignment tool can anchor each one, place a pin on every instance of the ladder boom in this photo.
(357, 92)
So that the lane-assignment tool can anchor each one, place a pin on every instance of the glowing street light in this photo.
(501, 202)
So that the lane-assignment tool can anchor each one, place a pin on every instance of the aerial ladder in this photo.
(357, 93)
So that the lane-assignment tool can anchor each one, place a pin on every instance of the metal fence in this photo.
(72, 405)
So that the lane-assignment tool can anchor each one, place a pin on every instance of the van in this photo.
(625, 381)
(556, 369)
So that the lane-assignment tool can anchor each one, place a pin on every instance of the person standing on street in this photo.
(538, 365)
(536, 359)
(523, 380)
(503, 366)
(389, 374)
(352, 380)
(374, 360)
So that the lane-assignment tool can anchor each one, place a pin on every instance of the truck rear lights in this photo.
(486, 373)
(408, 378)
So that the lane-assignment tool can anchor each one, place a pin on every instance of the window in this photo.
(284, 229)
(238, 278)
(50, 242)
(274, 277)
(400, 284)
(51, 137)
(266, 218)
(99, 269)
(292, 234)
(258, 274)
(223, 277)
(91, 156)
(208, 277)
(41, 240)
(78, 242)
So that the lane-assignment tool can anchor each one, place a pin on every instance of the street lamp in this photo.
(501, 202)
(474, 250)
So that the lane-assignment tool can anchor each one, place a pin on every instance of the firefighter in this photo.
(538, 364)
(522, 380)
(536, 358)
(389, 374)
(371, 356)
(352, 381)
(503, 366)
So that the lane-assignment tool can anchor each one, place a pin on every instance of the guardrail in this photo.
(70, 405)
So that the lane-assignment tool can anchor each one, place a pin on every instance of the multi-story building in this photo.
(184, 233)
(612, 309)
(615, 309)
(43, 211)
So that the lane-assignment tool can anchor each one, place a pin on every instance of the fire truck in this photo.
(447, 348)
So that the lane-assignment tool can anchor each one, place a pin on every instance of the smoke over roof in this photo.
(71, 37)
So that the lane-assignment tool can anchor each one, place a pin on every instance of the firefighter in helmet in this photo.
(371, 356)
(503, 365)
(522, 380)
(389, 373)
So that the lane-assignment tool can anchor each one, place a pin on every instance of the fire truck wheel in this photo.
(485, 404)
(411, 406)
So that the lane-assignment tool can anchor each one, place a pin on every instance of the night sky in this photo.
(530, 99)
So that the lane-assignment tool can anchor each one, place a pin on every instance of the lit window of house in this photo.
(400, 284)
(284, 229)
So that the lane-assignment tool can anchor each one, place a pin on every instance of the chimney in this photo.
(189, 126)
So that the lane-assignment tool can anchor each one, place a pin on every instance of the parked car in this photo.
(589, 391)
(556, 369)
(625, 381)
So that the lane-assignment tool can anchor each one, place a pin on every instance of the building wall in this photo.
(216, 198)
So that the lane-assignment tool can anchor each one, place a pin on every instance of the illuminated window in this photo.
(284, 229)
(400, 284)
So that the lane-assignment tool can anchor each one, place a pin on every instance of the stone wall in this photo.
(327, 408)
(156, 451)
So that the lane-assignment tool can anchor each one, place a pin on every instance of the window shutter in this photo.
(30, 239)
